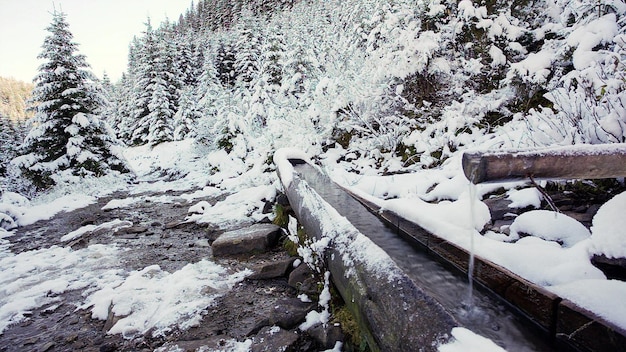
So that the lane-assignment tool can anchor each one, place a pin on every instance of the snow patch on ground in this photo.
(153, 298)
(527, 197)
(33, 279)
(114, 225)
(130, 201)
(244, 205)
(46, 211)
(465, 340)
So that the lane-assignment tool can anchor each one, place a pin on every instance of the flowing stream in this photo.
(485, 315)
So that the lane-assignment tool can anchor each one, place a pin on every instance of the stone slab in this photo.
(273, 269)
(288, 313)
(254, 239)
(271, 339)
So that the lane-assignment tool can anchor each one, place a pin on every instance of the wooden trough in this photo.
(571, 162)
(570, 326)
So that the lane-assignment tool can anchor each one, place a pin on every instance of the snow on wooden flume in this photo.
(373, 287)
(569, 162)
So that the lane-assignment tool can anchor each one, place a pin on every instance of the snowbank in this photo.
(550, 226)
(609, 229)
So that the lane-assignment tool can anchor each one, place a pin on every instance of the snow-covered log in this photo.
(571, 162)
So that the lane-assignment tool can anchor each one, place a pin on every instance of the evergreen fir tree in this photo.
(67, 134)
(158, 101)
(122, 120)
(142, 70)
(247, 48)
(225, 63)
(8, 143)
(265, 86)
(187, 115)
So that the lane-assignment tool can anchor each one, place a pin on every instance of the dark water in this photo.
(484, 315)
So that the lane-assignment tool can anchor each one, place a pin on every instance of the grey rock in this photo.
(108, 347)
(134, 229)
(302, 278)
(499, 207)
(272, 269)
(47, 347)
(210, 344)
(584, 218)
(30, 341)
(326, 335)
(88, 221)
(173, 224)
(289, 312)
(502, 226)
(111, 320)
(249, 240)
(249, 326)
(271, 339)
(613, 268)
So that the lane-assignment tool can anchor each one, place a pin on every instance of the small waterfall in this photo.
(472, 230)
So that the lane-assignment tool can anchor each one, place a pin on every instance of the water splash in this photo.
(472, 230)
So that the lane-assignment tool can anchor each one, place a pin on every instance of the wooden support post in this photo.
(571, 162)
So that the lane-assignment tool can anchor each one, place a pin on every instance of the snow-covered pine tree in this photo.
(143, 54)
(188, 60)
(265, 85)
(66, 134)
(8, 144)
(212, 96)
(225, 63)
(158, 70)
(187, 115)
(122, 119)
(247, 47)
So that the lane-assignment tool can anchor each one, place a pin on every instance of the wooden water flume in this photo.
(571, 162)
(567, 323)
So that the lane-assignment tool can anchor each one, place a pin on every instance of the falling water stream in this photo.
(472, 229)
(485, 315)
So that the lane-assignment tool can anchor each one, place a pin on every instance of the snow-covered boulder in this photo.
(609, 229)
(550, 226)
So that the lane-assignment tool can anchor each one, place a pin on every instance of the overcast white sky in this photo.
(102, 28)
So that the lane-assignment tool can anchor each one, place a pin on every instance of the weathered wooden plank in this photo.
(571, 162)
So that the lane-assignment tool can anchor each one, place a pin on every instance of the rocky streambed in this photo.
(262, 312)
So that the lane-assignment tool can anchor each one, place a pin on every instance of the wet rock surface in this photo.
(249, 240)
(262, 309)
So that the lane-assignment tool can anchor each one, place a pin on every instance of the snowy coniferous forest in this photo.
(397, 84)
